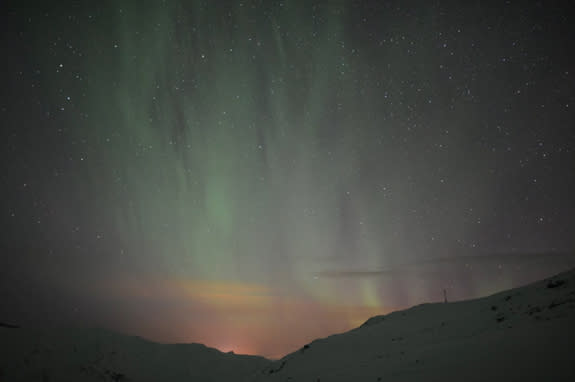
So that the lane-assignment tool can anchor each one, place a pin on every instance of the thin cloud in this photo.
(436, 265)
(354, 273)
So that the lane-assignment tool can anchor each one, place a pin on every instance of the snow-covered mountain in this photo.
(523, 334)
(80, 355)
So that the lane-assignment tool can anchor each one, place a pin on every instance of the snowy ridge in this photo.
(99, 355)
(523, 334)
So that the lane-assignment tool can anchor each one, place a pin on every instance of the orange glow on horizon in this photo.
(245, 318)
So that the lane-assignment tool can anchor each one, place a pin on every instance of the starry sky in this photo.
(256, 174)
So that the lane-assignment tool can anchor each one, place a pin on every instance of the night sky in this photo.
(256, 174)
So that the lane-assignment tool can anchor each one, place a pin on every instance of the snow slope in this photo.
(97, 355)
(524, 334)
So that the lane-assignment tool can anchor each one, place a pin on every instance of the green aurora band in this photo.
(264, 143)
(219, 146)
